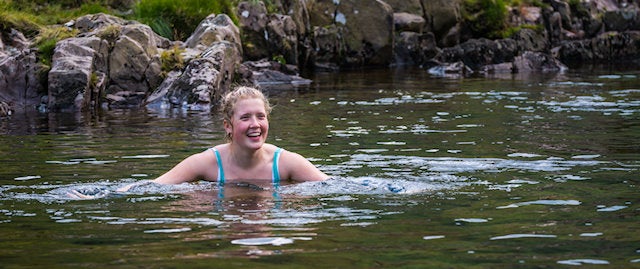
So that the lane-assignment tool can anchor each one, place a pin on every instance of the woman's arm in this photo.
(192, 168)
(300, 169)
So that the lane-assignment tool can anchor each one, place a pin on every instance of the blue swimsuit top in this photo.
(275, 174)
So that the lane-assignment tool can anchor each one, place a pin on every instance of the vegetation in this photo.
(172, 19)
(41, 20)
(48, 38)
(110, 33)
(177, 19)
(485, 18)
(172, 59)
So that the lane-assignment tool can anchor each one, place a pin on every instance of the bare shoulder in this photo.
(298, 168)
(293, 159)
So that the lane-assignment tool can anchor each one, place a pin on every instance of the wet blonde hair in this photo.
(229, 101)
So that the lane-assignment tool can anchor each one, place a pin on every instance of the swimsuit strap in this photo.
(275, 172)
(220, 170)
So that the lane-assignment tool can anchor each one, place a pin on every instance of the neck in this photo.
(243, 157)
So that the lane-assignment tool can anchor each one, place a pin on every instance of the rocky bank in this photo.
(113, 63)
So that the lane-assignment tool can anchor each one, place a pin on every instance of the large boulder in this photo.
(362, 30)
(73, 80)
(443, 19)
(134, 66)
(214, 28)
(112, 61)
(203, 81)
(624, 19)
(20, 86)
(207, 76)
(476, 53)
(270, 35)
(412, 48)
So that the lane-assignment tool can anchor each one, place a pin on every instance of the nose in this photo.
(254, 122)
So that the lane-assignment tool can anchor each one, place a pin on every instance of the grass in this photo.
(41, 20)
(178, 19)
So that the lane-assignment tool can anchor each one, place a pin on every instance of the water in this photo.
(428, 172)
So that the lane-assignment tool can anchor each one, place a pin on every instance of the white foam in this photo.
(259, 241)
(515, 236)
(582, 262)
(431, 237)
(542, 202)
(176, 230)
(473, 220)
(612, 208)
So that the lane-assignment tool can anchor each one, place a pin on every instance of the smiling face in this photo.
(248, 125)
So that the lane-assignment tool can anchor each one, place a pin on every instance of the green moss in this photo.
(48, 38)
(280, 59)
(110, 33)
(172, 59)
(485, 18)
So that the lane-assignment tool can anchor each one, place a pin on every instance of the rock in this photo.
(273, 35)
(214, 28)
(622, 19)
(530, 40)
(537, 62)
(531, 15)
(408, 22)
(406, 6)
(609, 46)
(266, 73)
(70, 77)
(203, 81)
(328, 45)
(134, 63)
(112, 58)
(476, 53)
(20, 73)
(352, 33)
(412, 48)
(453, 70)
(442, 16)
(282, 37)
(253, 22)
(527, 62)
(92, 22)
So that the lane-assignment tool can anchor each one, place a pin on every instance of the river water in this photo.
(524, 171)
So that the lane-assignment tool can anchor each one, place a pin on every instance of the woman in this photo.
(246, 157)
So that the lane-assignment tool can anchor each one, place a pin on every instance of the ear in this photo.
(228, 127)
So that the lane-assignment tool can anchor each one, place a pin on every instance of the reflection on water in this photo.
(532, 171)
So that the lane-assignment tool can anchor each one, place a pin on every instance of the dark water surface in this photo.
(537, 171)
